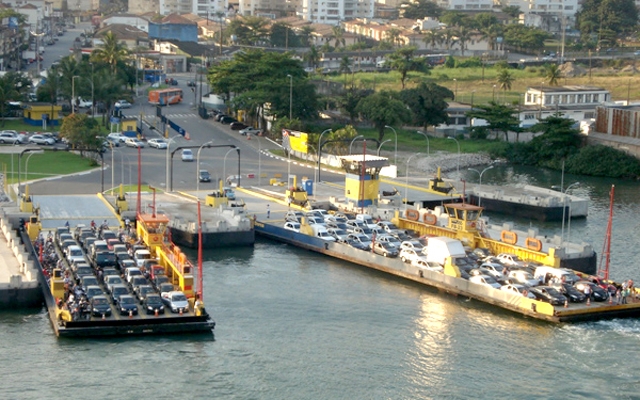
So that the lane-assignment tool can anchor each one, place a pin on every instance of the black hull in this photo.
(213, 240)
(544, 214)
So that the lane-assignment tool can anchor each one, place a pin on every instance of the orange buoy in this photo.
(533, 244)
(430, 219)
(412, 215)
(509, 237)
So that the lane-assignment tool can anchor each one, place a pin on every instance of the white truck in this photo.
(82, 103)
(368, 221)
(438, 249)
(321, 232)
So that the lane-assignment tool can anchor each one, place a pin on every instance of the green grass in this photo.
(44, 165)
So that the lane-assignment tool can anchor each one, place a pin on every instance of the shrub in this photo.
(611, 163)
(471, 62)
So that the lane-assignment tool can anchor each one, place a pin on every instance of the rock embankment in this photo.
(423, 164)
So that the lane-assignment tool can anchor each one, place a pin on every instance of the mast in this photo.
(606, 247)
(199, 287)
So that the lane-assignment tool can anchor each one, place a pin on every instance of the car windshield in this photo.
(155, 299)
(552, 291)
(489, 279)
(179, 297)
(120, 290)
(126, 300)
(186, 152)
(100, 301)
(114, 280)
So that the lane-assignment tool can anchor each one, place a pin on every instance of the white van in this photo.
(321, 232)
(545, 274)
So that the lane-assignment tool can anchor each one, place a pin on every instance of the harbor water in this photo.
(298, 325)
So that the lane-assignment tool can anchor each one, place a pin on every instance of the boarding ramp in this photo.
(56, 210)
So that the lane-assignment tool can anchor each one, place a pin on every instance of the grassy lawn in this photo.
(44, 165)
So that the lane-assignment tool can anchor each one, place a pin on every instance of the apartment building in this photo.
(573, 102)
(466, 5)
(333, 11)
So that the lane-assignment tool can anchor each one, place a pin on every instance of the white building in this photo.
(466, 5)
(209, 8)
(550, 13)
(573, 102)
(175, 7)
(136, 21)
(144, 6)
(334, 11)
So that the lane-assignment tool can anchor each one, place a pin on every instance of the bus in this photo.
(165, 97)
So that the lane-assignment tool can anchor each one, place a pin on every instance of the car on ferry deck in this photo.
(75, 253)
(292, 226)
(356, 244)
(493, 269)
(486, 280)
(363, 239)
(89, 281)
(523, 277)
(389, 239)
(100, 306)
(136, 282)
(570, 292)
(141, 292)
(338, 234)
(93, 291)
(408, 255)
(176, 301)
(548, 294)
(422, 263)
(385, 249)
(293, 216)
(597, 293)
(518, 289)
(412, 244)
(127, 304)
(110, 281)
(118, 290)
(511, 260)
(153, 302)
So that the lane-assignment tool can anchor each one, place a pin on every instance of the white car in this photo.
(408, 255)
(292, 226)
(493, 269)
(176, 301)
(117, 137)
(519, 290)
(412, 244)
(187, 155)
(424, 264)
(82, 103)
(510, 260)
(389, 239)
(485, 280)
(41, 140)
(122, 104)
(250, 131)
(133, 142)
(523, 277)
(157, 143)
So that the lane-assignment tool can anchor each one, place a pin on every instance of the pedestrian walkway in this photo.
(181, 115)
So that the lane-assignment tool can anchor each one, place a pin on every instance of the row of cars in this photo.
(109, 274)
(17, 138)
(234, 124)
(505, 271)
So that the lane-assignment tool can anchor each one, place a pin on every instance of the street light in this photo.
(494, 93)
(458, 143)
(381, 144)
(168, 172)
(395, 160)
(93, 102)
(26, 165)
(198, 165)
(224, 162)
(290, 96)
(480, 179)
(406, 183)
(455, 82)
(34, 150)
(73, 93)
(319, 156)
(354, 139)
(426, 137)
(564, 204)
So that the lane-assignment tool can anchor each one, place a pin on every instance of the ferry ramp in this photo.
(56, 210)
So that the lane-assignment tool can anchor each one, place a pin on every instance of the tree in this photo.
(312, 57)
(500, 118)
(393, 36)
(525, 38)
(404, 60)
(11, 86)
(382, 109)
(421, 9)
(433, 38)
(504, 79)
(349, 101)
(81, 132)
(337, 34)
(111, 52)
(463, 35)
(512, 11)
(559, 139)
(552, 74)
(345, 68)
(427, 103)
(608, 19)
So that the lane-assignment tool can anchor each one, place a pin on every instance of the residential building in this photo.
(573, 102)
(174, 27)
(144, 6)
(168, 7)
(466, 5)
(547, 14)
(136, 21)
(10, 41)
(209, 8)
(131, 36)
(332, 12)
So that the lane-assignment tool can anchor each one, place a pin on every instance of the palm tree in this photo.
(305, 35)
(111, 53)
(337, 34)
(552, 74)
(345, 68)
(312, 57)
(393, 36)
(505, 79)
(433, 37)
(8, 91)
(463, 35)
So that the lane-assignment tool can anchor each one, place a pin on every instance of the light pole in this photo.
(426, 137)
(259, 160)
(406, 183)
(354, 139)
(198, 166)
(458, 143)
(395, 155)
(290, 97)
(168, 172)
(480, 179)
(319, 156)
(26, 165)
(455, 93)
(93, 102)
(564, 207)
(381, 144)
(36, 150)
(73, 93)
(494, 93)
(224, 162)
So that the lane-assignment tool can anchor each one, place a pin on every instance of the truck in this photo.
(82, 103)
(440, 248)
(368, 221)
(321, 232)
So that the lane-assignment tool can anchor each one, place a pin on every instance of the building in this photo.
(209, 8)
(10, 42)
(144, 6)
(332, 12)
(549, 15)
(131, 36)
(174, 27)
(35, 113)
(574, 102)
(136, 21)
(466, 5)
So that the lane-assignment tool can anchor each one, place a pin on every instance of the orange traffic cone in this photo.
(588, 301)
(156, 312)
(181, 311)
(248, 137)
(610, 299)
(104, 317)
(130, 314)
(566, 303)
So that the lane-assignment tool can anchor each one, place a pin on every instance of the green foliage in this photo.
(501, 118)
(404, 60)
(471, 62)
(505, 79)
(610, 163)
(608, 19)
(450, 62)
(349, 101)
(502, 64)
(12, 87)
(383, 108)
(286, 123)
(81, 132)
(524, 38)
(552, 74)
(427, 103)
(421, 9)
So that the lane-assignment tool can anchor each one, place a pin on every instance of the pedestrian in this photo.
(268, 212)
(587, 292)
(66, 224)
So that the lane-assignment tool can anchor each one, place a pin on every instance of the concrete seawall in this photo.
(19, 286)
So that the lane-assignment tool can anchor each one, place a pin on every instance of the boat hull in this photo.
(212, 240)
(519, 210)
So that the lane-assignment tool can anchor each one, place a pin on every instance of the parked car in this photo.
(363, 239)
(204, 176)
(110, 281)
(486, 280)
(385, 249)
(187, 155)
(41, 140)
(422, 263)
(142, 291)
(409, 255)
(176, 301)
(8, 136)
(511, 260)
(122, 104)
(292, 226)
(100, 306)
(412, 244)
(92, 291)
(226, 120)
(127, 305)
(117, 291)
(518, 289)
(117, 136)
(293, 216)
(134, 142)
(548, 294)
(157, 143)
(153, 303)
(237, 126)
(569, 291)
(191, 83)
(250, 131)
(597, 293)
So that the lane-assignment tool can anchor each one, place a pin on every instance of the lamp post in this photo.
(480, 179)
(290, 96)
(26, 165)
(259, 160)
(406, 183)
(426, 137)
(455, 93)
(198, 165)
(564, 203)
(36, 150)
(224, 162)
(168, 172)
(395, 155)
(354, 139)
(494, 93)
(319, 156)
(458, 166)
(93, 102)
(73, 93)
(381, 144)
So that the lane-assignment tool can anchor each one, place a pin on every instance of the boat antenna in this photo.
(603, 272)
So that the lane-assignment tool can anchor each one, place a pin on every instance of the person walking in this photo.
(268, 212)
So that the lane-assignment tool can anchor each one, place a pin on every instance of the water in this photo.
(292, 324)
